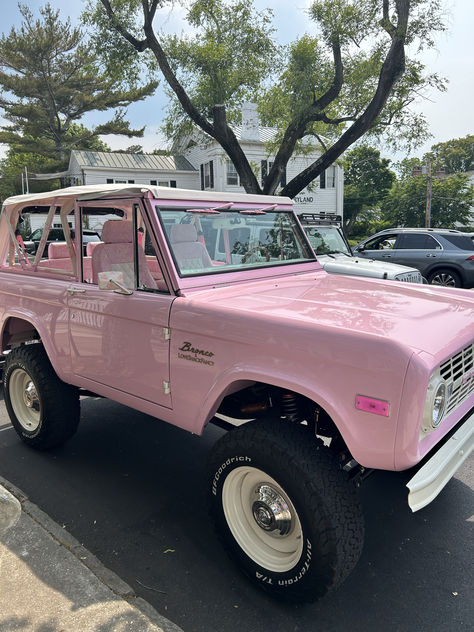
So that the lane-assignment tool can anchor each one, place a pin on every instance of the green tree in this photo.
(406, 167)
(12, 170)
(352, 79)
(51, 79)
(451, 202)
(455, 156)
(12, 167)
(367, 180)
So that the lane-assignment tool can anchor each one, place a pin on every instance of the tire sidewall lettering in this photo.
(226, 465)
(279, 581)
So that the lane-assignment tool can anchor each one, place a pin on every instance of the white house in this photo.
(218, 173)
(97, 167)
(199, 162)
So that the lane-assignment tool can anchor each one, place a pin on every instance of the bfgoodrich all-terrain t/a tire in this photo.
(284, 510)
(43, 410)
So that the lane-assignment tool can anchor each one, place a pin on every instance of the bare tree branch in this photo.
(297, 128)
(392, 69)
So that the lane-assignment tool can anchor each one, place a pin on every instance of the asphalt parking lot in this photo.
(130, 489)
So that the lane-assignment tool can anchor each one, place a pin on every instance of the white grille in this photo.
(458, 372)
(409, 277)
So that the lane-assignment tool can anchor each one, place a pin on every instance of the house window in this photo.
(232, 175)
(265, 167)
(110, 180)
(153, 182)
(165, 183)
(207, 175)
(327, 180)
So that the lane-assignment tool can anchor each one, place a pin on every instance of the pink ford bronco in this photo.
(198, 307)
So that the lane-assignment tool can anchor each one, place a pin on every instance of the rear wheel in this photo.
(43, 410)
(445, 277)
(284, 510)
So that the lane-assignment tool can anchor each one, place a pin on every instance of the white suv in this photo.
(327, 238)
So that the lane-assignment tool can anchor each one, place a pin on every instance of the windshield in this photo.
(326, 240)
(211, 241)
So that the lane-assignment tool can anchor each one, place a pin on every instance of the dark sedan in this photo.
(56, 234)
(443, 256)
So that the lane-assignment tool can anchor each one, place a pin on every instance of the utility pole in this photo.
(26, 180)
(428, 196)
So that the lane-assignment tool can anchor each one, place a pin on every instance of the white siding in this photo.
(313, 199)
(184, 180)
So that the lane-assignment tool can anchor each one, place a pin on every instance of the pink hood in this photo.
(409, 314)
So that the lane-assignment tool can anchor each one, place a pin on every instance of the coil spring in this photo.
(290, 408)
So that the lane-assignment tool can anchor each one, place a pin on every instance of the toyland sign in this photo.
(305, 200)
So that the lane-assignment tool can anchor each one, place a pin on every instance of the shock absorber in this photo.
(290, 408)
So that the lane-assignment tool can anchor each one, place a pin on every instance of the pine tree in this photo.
(50, 80)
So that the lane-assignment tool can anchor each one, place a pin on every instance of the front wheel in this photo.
(284, 510)
(43, 410)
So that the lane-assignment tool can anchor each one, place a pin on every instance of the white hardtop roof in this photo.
(96, 191)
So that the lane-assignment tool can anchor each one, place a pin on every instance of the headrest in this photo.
(117, 232)
(90, 247)
(58, 250)
(183, 233)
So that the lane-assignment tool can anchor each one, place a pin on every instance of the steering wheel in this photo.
(250, 252)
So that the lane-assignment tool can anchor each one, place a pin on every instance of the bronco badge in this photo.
(202, 356)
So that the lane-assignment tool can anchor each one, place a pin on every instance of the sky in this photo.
(449, 114)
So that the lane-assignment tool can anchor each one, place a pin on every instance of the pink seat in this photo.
(90, 247)
(115, 254)
(189, 252)
(59, 257)
(58, 250)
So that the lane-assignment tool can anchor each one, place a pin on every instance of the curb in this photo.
(10, 511)
(110, 579)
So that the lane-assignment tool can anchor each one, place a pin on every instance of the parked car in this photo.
(326, 235)
(443, 256)
(56, 234)
(317, 378)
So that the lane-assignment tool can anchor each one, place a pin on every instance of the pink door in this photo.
(121, 340)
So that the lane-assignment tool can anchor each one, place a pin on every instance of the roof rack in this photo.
(320, 218)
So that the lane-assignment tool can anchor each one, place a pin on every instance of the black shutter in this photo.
(322, 180)
(173, 184)
(264, 169)
(211, 173)
(202, 177)
(283, 178)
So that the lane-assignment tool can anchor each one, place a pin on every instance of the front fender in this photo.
(369, 437)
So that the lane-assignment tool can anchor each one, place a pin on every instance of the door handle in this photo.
(75, 290)
(386, 256)
(431, 255)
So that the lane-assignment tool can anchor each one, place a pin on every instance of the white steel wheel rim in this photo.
(25, 400)
(277, 550)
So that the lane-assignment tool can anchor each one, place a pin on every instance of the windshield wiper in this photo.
(337, 252)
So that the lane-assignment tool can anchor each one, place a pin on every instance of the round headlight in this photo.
(439, 404)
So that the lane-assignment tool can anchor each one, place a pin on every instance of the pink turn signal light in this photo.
(371, 405)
